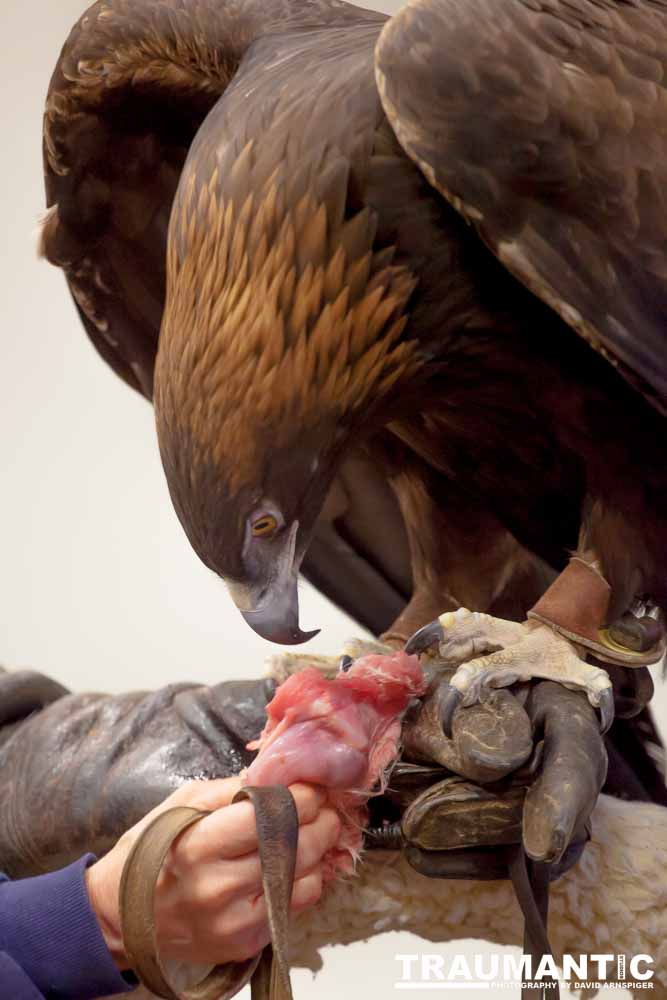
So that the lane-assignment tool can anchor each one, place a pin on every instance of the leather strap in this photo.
(531, 885)
(278, 837)
(137, 918)
(576, 605)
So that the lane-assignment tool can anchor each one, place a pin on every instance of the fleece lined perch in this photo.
(613, 900)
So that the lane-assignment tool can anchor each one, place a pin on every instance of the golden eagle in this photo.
(397, 290)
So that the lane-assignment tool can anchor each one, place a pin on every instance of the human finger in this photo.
(231, 832)
(307, 890)
(248, 913)
(238, 930)
(251, 932)
(244, 875)
(218, 883)
(205, 795)
(315, 839)
(214, 794)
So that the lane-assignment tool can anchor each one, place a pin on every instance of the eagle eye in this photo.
(264, 526)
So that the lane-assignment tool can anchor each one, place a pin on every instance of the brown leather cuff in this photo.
(576, 605)
(577, 602)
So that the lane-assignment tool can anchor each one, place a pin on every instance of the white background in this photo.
(98, 585)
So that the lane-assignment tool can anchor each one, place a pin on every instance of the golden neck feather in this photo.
(274, 317)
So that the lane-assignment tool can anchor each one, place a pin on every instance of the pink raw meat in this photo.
(342, 734)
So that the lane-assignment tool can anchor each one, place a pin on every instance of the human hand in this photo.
(209, 904)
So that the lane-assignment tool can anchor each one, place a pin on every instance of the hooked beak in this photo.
(274, 613)
(278, 618)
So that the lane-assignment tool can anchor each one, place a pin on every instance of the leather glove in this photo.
(525, 766)
(82, 769)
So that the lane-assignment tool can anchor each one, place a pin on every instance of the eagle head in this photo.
(281, 337)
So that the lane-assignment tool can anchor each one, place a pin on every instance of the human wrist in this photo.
(102, 890)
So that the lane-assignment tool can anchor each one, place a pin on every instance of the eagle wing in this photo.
(132, 85)
(544, 122)
(134, 82)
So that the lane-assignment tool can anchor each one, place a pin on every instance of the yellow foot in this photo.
(493, 653)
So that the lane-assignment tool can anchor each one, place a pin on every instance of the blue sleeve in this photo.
(50, 942)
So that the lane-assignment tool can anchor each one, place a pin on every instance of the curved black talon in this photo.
(427, 635)
(607, 710)
(450, 699)
(344, 663)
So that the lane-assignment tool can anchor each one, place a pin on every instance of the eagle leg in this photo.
(492, 653)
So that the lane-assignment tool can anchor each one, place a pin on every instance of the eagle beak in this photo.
(278, 617)
(273, 611)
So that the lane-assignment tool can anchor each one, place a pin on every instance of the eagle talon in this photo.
(425, 637)
(345, 663)
(488, 653)
(450, 699)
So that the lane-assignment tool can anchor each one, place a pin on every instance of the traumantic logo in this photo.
(494, 970)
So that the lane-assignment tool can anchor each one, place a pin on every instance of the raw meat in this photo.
(343, 734)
